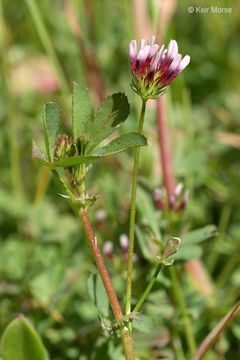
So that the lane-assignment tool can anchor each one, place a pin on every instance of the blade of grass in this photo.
(93, 71)
(47, 44)
(13, 124)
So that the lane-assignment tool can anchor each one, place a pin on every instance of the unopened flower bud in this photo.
(108, 250)
(100, 216)
(81, 144)
(64, 146)
(171, 247)
(174, 197)
(178, 190)
(157, 197)
(172, 202)
(124, 243)
(184, 201)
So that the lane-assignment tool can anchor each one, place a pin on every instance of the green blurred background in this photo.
(44, 257)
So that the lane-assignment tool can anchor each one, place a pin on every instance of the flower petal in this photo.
(163, 57)
(172, 49)
(175, 63)
(143, 54)
(154, 65)
(142, 42)
(184, 63)
(133, 50)
(151, 40)
(153, 50)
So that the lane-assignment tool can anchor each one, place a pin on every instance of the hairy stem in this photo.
(132, 215)
(113, 300)
(126, 335)
(100, 264)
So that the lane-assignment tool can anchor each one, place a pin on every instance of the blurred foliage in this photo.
(45, 262)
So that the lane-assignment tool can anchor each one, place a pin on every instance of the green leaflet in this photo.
(122, 143)
(187, 253)
(82, 111)
(98, 294)
(199, 235)
(21, 342)
(111, 113)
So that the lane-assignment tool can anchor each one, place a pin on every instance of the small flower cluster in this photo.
(100, 217)
(65, 146)
(153, 69)
(177, 201)
(124, 244)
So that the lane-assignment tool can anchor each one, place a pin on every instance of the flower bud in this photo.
(64, 146)
(124, 243)
(81, 144)
(100, 217)
(175, 196)
(108, 250)
(157, 197)
(184, 201)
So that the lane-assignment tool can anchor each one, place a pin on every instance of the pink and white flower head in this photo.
(154, 69)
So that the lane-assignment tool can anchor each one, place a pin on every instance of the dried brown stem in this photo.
(214, 334)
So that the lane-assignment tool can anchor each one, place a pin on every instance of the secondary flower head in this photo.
(154, 68)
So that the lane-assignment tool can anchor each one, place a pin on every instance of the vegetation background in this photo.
(44, 258)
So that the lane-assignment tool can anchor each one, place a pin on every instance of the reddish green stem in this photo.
(165, 152)
(101, 265)
(126, 335)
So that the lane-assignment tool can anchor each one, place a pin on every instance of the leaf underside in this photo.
(39, 156)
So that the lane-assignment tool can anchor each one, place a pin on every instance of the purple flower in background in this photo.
(154, 69)
(108, 250)
(124, 243)
(157, 197)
